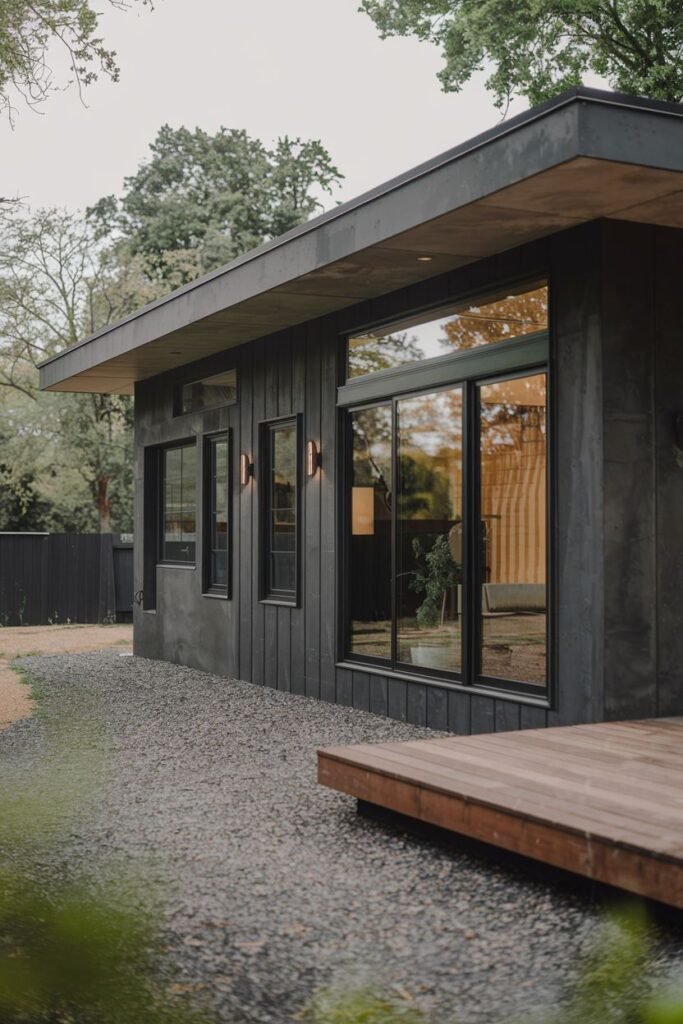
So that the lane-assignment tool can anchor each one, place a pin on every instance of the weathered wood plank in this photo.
(565, 796)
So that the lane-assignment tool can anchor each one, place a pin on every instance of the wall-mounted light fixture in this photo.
(246, 469)
(313, 460)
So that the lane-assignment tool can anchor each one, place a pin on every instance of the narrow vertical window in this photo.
(513, 547)
(429, 530)
(217, 506)
(280, 472)
(178, 504)
(369, 554)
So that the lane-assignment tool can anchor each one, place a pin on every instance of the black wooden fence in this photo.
(65, 577)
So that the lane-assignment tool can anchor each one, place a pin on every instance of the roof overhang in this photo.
(584, 155)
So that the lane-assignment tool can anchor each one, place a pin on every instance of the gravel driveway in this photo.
(273, 885)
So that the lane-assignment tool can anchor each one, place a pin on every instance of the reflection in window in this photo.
(429, 530)
(179, 503)
(513, 514)
(455, 328)
(217, 514)
(370, 542)
(281, 507)
(220, 389)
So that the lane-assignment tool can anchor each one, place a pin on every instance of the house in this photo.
(424, 454)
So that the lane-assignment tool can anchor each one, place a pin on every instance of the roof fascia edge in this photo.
(498, 132)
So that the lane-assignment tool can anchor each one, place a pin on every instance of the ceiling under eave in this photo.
(508, 188)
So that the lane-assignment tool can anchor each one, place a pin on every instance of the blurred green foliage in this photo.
(69, 958)
(616, 984)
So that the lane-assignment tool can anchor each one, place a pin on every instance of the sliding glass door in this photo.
(447, 547)
(429, 530)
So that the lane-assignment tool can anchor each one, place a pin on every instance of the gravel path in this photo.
(272, 885)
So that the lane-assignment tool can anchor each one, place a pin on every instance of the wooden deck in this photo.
(604, 801)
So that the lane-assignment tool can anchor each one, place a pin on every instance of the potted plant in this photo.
(437, 572)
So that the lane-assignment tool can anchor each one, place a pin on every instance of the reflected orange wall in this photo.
(513, 499)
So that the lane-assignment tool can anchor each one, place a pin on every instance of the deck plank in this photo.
(601, 800)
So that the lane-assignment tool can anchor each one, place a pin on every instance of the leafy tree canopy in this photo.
(31, 30)
(539, 47)
(201, 199)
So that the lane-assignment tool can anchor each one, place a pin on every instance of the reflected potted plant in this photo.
(437, 572)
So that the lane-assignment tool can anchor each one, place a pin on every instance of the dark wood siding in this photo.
(617, 380)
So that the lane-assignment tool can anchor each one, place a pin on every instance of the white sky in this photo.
(313, 68)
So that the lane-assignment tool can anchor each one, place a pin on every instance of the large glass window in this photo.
(280, 495)
(217, 497)
(416, 599)
(455, 328)
(178, 503)
(513, 487)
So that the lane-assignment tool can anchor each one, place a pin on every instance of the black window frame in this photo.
(268, 594)
(514, 358)
(190, 442)
(209, 587)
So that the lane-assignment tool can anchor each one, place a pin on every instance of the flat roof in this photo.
(583, 155)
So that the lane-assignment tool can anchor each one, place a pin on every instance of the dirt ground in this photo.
(19, 641)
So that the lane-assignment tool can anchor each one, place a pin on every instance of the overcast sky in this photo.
(313, 68)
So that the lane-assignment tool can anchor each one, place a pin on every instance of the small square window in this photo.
(208, 393)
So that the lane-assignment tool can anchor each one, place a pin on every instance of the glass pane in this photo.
(172, 512)
(179, 504)
(370, 542)
(513, 528)
(189, 494)
(455, 328)
(219, 568)
(429, 531)
(221, 389)
(218, 514)
(282, 517)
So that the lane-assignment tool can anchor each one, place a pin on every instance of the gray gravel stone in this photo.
(270, 885)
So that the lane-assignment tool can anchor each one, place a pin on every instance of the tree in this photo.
(74, 450)
(539, 47)
(30, 30)
(201, 199)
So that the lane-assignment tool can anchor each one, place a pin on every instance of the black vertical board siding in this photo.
(361, 691)
(532, 718)
(328, 508)
(416, 712)
(243, 501)
(298, 615)
(483, 715)
(629, 486)
(270, 612)
(378, 695)
(259, 414)
(344, 687)
(669, 466)
(296, 648)
(311, 488)
(506, 716)
(577, 415)
(459, 712)
(397, 699)
(437, 708)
